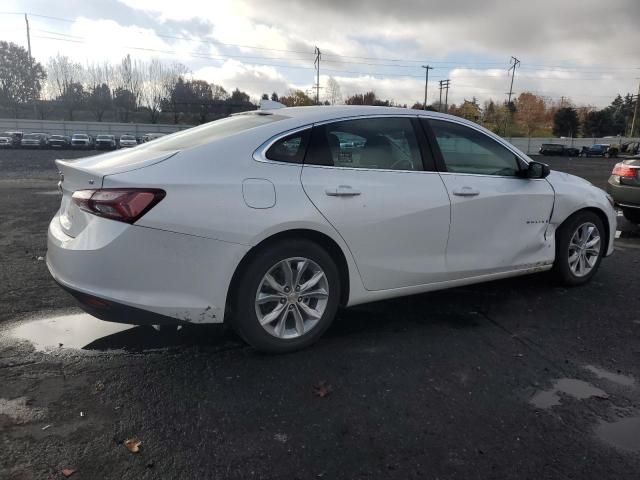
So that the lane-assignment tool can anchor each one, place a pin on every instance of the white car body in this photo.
(405, 233)
(128, 142)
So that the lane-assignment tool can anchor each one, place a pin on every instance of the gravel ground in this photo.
(511, 379)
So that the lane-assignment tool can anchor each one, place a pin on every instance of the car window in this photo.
(290, 148)
(466, 150)
(372, 143)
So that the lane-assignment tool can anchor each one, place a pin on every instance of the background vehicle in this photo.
(10, 139)
(59, 141)
(624, 187)
(599, 150)
(277, 226)
(127, 141)
(147, 137)
(105, 142)
(34, 140)
(558, 149)
(81, 141)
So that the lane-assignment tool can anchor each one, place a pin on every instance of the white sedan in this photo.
(271, 220)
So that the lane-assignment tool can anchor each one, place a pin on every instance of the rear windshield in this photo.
(80, 135)
(212, 131)
(104, 137)
(56, 137)
(127, 137)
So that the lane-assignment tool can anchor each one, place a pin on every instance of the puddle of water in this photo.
(577, 389)
(82, 331)
(623, 434)
(19, 411)
(72, 331)
(614, 377)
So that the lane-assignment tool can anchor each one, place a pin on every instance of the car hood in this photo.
(561, 177)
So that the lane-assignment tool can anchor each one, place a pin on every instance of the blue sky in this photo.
(367, 45)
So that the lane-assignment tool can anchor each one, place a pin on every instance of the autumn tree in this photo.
(530, 112)
(297, 98)
(20, 77)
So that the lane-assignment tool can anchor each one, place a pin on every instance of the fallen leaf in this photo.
(67, 472)
(133, 445)
(322, 389)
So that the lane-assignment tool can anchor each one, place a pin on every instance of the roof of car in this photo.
(321, 112)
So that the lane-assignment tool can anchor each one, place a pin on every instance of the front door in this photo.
(498, 218)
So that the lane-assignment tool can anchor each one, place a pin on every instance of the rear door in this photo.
(368, 178)
(498, 219)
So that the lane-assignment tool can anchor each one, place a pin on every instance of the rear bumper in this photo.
(131, 274)
(624, 195)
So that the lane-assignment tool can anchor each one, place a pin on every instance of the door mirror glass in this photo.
(538, 170)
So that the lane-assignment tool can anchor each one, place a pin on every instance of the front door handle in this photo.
(466, 192)
(342, 191)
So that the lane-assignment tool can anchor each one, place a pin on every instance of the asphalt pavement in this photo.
(514, 379)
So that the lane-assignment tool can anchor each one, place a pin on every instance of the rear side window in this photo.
(290, 149)
(385, 143)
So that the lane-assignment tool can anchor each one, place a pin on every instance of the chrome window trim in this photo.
(260, 154)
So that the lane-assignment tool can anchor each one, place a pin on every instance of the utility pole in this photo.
(514, 62)
(635, 112)
(444, 84)
(35, 110)
(426, 83)
(316, 63)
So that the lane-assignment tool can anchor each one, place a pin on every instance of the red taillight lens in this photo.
(124, 205)
(622, 170)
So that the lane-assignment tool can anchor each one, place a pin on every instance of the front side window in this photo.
(371, 143)
(290, 149)
(465, 150)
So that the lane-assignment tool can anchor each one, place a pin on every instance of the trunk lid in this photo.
(88, 174)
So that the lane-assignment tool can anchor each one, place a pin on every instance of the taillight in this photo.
(625, 171)
(125, 205)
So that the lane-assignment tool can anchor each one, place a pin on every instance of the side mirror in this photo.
(537, 170)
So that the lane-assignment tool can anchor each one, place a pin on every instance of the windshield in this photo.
(57, 137)
(127, 137)
(31, 136)
(80, 136)
(212, 131)
(104, 137)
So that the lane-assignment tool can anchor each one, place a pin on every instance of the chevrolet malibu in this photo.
(271, 220)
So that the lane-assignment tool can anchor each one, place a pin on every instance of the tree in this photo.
(62, 72)
(368, 98)
(530, 112)
(99, 100)
(297, 98)
(73, 98)
(20, 78)
(274, 97)
(158, 80)
(239, 98)
(334, 93)
(125, 102)
(469, 110)
(565, 122)
(597, 124)
(265, 96)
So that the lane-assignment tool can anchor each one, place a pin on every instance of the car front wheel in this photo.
(580, 243)
(287, 296)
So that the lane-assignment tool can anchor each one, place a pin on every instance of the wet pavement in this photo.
(516, 379)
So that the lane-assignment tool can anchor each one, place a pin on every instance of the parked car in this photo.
(127, 141)
(558, 149)
(105, 142)
(59, 141)
(599, 150)
(151, 136)
(34, 140)
(256, 220)
(10, 139)
(81, 141)
(624, 187)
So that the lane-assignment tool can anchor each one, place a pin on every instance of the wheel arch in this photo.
(601, 215)
(321, 239)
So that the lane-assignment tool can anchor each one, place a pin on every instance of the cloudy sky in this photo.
(585, 50)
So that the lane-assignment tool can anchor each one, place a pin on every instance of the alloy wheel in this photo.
(584, 249)
(292, 297)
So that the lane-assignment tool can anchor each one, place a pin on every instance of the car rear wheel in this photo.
(632, 214)
(580, 245)
(287, 297)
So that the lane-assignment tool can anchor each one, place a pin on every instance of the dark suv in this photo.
(599, 150)
(558, 149)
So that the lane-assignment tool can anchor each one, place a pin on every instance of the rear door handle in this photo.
(342, 191)
(466, 192)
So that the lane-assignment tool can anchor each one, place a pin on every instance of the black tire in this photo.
(565, 232)
(632, 214)
(244, 319)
